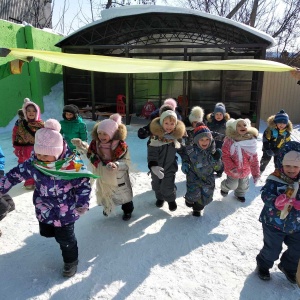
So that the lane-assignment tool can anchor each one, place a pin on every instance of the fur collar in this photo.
(272, 124)
(157, 130)
(120, 134)
(211, 118)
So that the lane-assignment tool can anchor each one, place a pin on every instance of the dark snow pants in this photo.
(273, 240)
(65, 236)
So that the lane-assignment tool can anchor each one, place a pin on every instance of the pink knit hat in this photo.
(28, 102)
(171, 102)
(111, 125)
(48, 140)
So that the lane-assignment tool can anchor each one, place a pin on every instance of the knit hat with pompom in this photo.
(220, 107)
(171, 102)
(231, 123)
(111, 125)
(28, 102)
(196, 114)
(48, 140)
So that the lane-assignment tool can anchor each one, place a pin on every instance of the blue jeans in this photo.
(273, 241)
(65, 236)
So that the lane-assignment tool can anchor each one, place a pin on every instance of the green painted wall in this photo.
(37, 77)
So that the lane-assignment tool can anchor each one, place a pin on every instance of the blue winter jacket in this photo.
(54, 199)
(273, 187)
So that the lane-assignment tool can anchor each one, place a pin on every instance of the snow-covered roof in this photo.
(109, 14)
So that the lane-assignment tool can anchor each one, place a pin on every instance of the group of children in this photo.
(216, 145)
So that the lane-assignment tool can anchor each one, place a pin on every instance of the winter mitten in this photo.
(143, 133)
(281, 201)
(81, 210)
(81, 146)
(158, 171)
(111, 166)
(296, 204)
(217, 155)
(270, 152)
(185, 168)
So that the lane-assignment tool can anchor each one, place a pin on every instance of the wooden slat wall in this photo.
(280, 91)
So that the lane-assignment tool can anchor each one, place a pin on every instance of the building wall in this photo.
(37, 77)
(280, 91)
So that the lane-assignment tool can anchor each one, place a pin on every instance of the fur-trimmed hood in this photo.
(272, 124)
(251, 132)
(120, 134)
(211, 117)
(157, 130)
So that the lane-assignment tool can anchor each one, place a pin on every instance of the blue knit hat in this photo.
(281, 117)
(220, 107)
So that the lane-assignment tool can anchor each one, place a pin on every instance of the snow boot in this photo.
(196, 213)
(172, 205)
(70, 269)
(291, 277)
(189, 204)
(241, 199)
(126, 216)
(159, 203)
(224, 194)
(263, 274)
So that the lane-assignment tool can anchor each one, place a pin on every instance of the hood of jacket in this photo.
(272, 124)
(157, 130)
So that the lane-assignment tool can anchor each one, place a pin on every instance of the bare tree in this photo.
(278, 18)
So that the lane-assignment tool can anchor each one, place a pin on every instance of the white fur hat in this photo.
(233, 122)
(196, 114)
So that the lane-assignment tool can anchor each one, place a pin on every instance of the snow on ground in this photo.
(158, 254)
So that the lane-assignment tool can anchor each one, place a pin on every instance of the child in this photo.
(169, 104)
(6, 202)
(280, 216)
(109, 155)
(72, 125)
(239, 157)
(24, 133)
(195, 117)
(275, 136)
(216, 122)
(199, 161)
(58, 202)
(165, 130)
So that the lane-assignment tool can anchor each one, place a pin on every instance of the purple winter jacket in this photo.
(54, 199)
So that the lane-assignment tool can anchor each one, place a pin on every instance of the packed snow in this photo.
(158, 254)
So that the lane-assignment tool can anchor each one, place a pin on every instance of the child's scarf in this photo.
(67, 168)
(249, 146)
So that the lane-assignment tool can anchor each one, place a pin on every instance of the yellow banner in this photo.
(109, 64)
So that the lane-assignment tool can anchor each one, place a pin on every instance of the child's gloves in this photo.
(81, 210)
(217, 155)
(281, 201)
(185, 168)
(270, 152)
(158, 171)
(111, 166)
(143, 133)
(81, 146)
(296, 204)
(256, 179)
